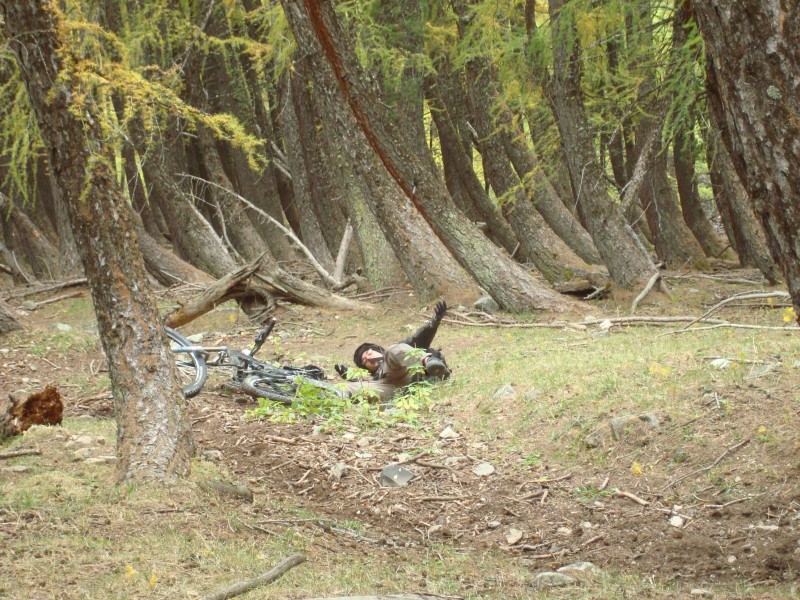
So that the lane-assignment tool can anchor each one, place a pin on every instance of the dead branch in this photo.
(23, 452)
(6, 269)
(633, 320)
(740, 296)
(45, 288)
(656, 277)
(391, 597)
(620, 494)
(709, 467)
(245, 586)
(341, 256)
(733, 326)
(37, 305)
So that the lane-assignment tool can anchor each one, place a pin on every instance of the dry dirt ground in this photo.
(742, 526)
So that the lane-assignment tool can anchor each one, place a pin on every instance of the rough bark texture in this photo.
(754, 93)
(31, 247)
(621, 251)
(408, 187)
(154, 433)
(744, 232)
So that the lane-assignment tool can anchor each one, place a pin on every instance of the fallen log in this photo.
(255, 287)
(21, 412)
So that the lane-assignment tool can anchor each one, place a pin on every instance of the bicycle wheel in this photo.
(191, 366)
(278, 389)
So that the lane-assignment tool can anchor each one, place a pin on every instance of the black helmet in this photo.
(363, 348)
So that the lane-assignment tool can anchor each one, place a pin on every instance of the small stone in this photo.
(513, 536)
(505, 391)
(364, 442)
(82, 453)
(533, 394)
(403, 457)
(448, 433)
(212, 455)
(493, 524)
(196, 338)
(348, 436)
(701, 592)
(396, 476)
(605, 325)
(553, 579)
(62, 327)
(363, 455)
(452, 461)
(338, 470)
(586, 525)
(651, 419)
(483, 470)
(565, 531)
(676, 521)
(582, 570)
(487, 304)
(33, 367)
(731, 559)
(618, 426)
(84, 440)
(599, 505)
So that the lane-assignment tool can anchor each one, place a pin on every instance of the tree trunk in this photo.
(752, 84)
(736, 211)
(30, 246)
(154, 433)
(409, 196)
(621, 251)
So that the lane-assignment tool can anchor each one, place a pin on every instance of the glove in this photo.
(438, 312)
(341, 370)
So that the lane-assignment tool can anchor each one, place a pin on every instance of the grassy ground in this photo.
(68, 531)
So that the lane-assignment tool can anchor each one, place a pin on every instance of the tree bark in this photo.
(8, 322)
(409, 197)
(154, 433)
(621, 251)
(753, 95)
(28, 243)
(733, 203)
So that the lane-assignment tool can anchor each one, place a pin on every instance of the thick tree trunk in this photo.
(409, 197)
(753, 94)
(462, 183)
(154, 433)
(733, 203)
(29, 245)
(621, 251)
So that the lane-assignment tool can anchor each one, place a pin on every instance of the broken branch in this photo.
(251, 584)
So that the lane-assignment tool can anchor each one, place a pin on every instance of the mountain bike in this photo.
(250, 375)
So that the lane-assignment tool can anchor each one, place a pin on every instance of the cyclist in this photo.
(393, 368)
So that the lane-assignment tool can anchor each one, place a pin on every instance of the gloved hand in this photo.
(341, 370)
(438, 312)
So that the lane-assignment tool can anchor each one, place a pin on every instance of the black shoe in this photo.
(436, 368)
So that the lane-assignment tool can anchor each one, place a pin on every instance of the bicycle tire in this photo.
(278, 389)
(190, 366)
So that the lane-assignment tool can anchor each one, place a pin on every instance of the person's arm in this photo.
(423, 337)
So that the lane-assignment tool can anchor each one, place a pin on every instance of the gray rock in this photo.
(396, 476)
(487, 304)
(196, 338)
(101, 460)
(582, 570)
(651, 419)
(82, 453)
(596, 438)
(212, 455)
(553, 579)
(29, 305)
(16, 469)
(618, 426)
(505, 391)
(532, 394)
(84, 440)
(493, 524)
(483, 469)
(62, 327)
(448, 433)
(338, 470)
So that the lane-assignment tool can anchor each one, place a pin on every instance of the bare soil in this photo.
(739, 526)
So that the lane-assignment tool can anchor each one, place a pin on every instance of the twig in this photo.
(281, 440)
(245, 586)
(629, 496)
(731, 326)
(37, 305)
(709, 467)
(46, 288)
(645, 291)
(544, 496)
(604, 484)
(741, 296)
(23, 452)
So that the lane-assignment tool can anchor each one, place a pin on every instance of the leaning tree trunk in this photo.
(741, 225)
(753, 94)
(154, 433)
(420, 218)
(30, 246)
(621, 251)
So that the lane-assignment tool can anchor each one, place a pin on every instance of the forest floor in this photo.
(696, 491)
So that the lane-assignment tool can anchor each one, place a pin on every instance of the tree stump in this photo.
(20, 412)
